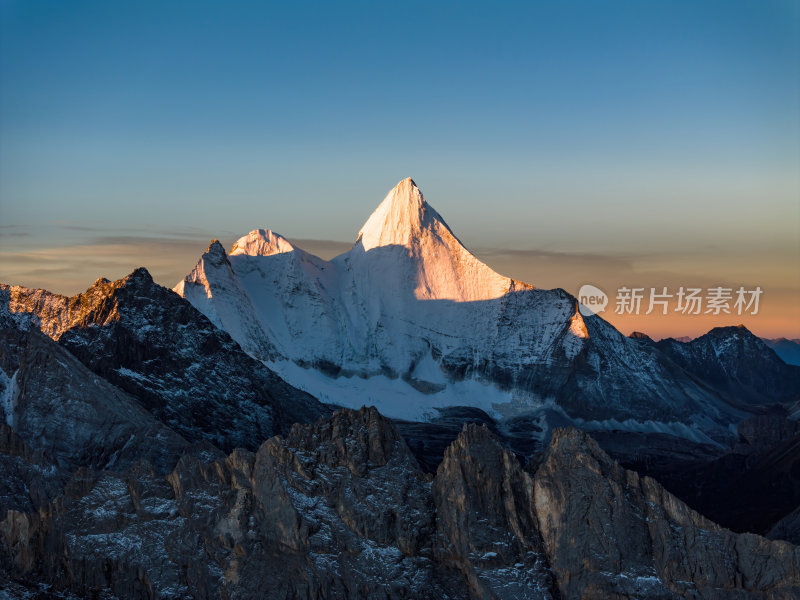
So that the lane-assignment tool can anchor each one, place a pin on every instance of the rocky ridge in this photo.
(146, 341)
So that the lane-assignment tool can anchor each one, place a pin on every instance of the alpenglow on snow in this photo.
(410, 321)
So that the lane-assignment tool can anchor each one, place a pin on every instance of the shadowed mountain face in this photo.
(340, 509)
(411, 321)
(750, 487)
(737, 363)
(78, 419)
(150, 343)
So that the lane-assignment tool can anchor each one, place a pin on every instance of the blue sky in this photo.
(641, 126)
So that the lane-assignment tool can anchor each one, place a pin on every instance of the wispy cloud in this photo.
(67, 263)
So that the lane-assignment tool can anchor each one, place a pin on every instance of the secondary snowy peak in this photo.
(261, 242)
(214, 259)
(401, 218)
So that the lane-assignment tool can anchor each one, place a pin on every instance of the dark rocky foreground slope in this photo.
(340, 509)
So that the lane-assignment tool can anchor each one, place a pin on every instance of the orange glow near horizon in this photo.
(70, 269)
(778, 314)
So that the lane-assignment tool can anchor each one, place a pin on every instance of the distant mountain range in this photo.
(788, 350)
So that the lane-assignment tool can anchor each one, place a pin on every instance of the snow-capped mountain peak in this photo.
(261, 242)
(408, 241)
(401, 218)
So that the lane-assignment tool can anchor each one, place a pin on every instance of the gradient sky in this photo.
(617, 143)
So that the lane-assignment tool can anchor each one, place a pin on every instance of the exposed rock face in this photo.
(28, 479)
(152, 344)
(340, 509)
(348, 509)
(486, 518)
(642, 337)
(80, 419)
(429, 440)
(632, 538)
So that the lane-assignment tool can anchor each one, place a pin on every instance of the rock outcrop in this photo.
(610, 533)
(486, 519)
